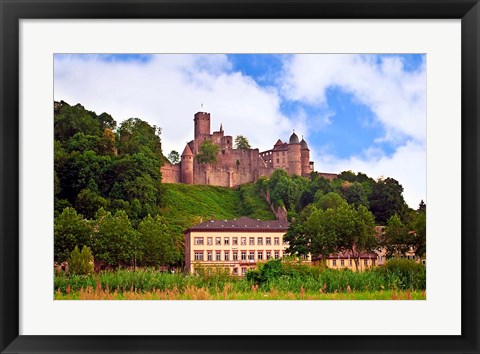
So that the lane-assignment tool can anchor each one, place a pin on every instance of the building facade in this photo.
(233, 246)
(235, 166)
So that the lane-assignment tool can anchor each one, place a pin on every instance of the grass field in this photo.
(194, 293)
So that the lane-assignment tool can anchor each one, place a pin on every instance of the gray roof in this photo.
(241, 224)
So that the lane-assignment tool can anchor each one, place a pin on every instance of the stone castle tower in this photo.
(235, 166)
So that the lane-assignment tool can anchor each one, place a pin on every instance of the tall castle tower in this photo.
(305, 157)
(294, 156)
(201, 129)
(187, 166)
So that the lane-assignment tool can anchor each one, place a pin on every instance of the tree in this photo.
(135, 134)
(396, 239)
(387, 199)
(81, 263)
(157, 243)
(174, 157)
(330, 200)
(70, 230)
(241, 142)
(115, 239)
(208, 152)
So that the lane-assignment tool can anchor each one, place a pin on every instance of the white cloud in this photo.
(169, 89)
(395, 96)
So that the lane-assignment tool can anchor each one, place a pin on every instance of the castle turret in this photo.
(202, 124)
(294, 156)
(187, 166)
(305, 157)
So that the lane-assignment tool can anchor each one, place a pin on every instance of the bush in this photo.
(404, 274)
(80, 263)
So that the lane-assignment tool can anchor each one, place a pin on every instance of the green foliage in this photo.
(386, 200)
(253, 204)
(70, 230)
(396, 238)
(134, 135)
(158, 245)
(80, 263)
(174, 157)
(404, 274)
(208, 152)
(115, 239)
(241, 142)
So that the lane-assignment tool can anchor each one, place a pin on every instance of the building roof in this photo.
(187, 151)
(304, 145)
(279, 142)
(241, 224)
(293, 139)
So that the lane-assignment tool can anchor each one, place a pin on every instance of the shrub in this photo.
(80, 263)
(404, 274)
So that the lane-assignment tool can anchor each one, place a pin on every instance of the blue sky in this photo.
(365, 113)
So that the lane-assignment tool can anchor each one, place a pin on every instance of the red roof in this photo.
(241, 224)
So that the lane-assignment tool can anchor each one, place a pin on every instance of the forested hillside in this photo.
(109, 196)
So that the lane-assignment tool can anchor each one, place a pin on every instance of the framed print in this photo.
(145, 58)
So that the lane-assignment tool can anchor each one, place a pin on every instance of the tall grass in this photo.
(273, 275)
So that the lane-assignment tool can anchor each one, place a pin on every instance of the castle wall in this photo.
(170, 173)
(305, 162)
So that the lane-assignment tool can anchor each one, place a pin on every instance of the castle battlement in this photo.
(235, 166)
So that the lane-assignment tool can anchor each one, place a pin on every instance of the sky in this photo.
(359, 112)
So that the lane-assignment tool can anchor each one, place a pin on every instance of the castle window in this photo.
(278, 160)
(283, 160)
(283, 153)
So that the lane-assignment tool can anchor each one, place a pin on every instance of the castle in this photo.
(235, 166)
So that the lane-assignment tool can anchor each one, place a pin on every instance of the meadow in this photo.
(273, 280)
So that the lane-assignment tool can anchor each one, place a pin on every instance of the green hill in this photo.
(186, 205)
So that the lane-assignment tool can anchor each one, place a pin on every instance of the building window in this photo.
(251, 256)
(269, 255)
(251, 240)
(350, 262)
(244, 241)
(334, 262)
(244, 270)
(209, 256)
(235, 271)
(277, 254)
(235, 241)
(198, 240)
(260, 255)
(268, 241)
(283, 160)
(276, 241)
(199, 255)
(235, 255)
(342, 263)
(218, 256)
(283, 153)
(227, 255)
(260, 241)
(373, 262)
(209, 241)
(278, 160)
(244, 255)
(365, 262)
(218, 240)
(226, 241)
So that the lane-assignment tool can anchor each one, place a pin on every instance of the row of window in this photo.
(350, 262)
(244, 255)
(243, 241)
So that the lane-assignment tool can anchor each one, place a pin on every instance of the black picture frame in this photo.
(11, 11)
